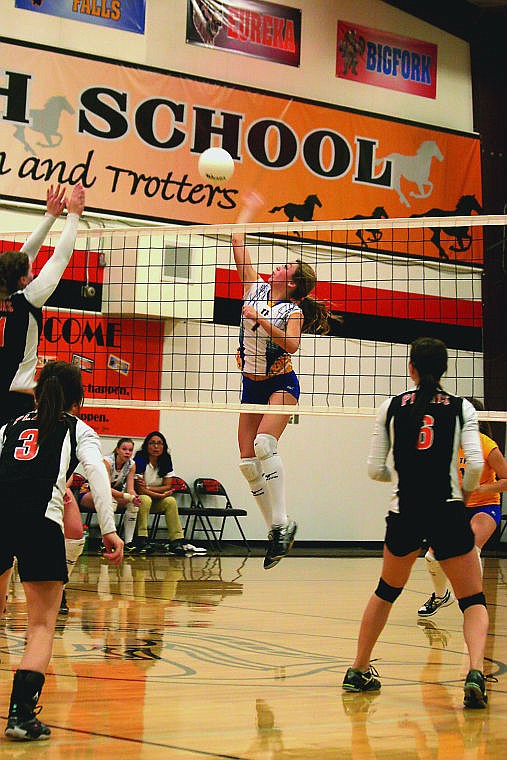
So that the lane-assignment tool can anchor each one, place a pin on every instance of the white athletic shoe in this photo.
(194, 549)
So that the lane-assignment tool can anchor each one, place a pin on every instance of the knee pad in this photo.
(468, 601)
(73, 549)
(250, 468)
(265, 445)
(386, 592)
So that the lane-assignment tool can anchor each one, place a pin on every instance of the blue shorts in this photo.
(260, 391)
(493, 510)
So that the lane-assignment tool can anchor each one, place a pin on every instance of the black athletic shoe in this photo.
(280, 541)
(434, 603)
(145, 549)
(176, 549)
(475, 690)
(130, 549)
(356, 681)
(64, 609)
(30, 729)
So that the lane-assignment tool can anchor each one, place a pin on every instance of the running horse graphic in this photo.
(464, 207)
(415, 169)
(45, 121)
(302, 211)
(370, 236)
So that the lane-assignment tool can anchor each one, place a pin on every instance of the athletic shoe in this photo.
(194, 549)
(26, 730)
(475, 690)
(356, 681)
(280, 541)
(175, 548)
(434, 603)
(129, 549)
(64, 609)
(145, 549)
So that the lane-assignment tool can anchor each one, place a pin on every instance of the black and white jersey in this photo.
(35, 478)
(426, 471)
(21, 313)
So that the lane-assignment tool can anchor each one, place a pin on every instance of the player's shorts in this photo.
(493, 510)
(260, 391)
(37, 542)
(446, 528)
(14, 404)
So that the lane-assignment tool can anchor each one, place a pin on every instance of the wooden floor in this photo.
(210, 657)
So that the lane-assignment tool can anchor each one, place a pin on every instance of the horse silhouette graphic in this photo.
(301, 211)
(45, 121)
(371, 236)
(414, 169)
(464, 207)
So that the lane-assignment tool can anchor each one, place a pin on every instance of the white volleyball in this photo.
(216, 166)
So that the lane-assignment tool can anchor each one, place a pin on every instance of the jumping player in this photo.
(273, 316)
(424, 427)
(42, 448)
(483, 509)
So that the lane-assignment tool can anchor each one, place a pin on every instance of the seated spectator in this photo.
(154, 471)
(121, 469)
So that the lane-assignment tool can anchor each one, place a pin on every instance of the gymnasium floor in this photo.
(213, 657)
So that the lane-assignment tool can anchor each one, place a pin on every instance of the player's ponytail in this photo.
(59, 387)
(429, 357)
(316, 317)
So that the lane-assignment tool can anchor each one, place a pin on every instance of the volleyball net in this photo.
(151, 314)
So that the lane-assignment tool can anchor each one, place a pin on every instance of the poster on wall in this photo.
(133, 137)
(371, 56)
(128, 15)
(252, 27)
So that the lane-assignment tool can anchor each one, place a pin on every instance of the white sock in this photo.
(129, 522)
(252, 472)
(73, 550)
(274, 474)
(439, 578)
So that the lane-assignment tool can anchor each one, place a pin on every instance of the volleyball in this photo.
(216, 165)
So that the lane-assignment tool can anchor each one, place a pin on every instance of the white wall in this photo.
(163, 45)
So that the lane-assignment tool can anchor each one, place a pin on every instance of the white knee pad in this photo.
(265, 446)
(73, 549)
(251, 469)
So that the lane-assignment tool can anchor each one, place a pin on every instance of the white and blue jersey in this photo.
(258, 354)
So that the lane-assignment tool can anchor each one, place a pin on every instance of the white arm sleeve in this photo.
(380, 446)
(471, 443)
(36, 239)
(89, 454)
(39, 290)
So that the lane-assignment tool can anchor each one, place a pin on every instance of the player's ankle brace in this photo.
(468, 601)
(386, 592)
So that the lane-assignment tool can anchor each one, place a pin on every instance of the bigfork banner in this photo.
(133, 136)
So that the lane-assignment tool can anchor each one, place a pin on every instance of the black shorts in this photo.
(38, 544)
(446, 528)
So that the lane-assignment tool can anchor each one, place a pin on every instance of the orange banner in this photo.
(133, 136)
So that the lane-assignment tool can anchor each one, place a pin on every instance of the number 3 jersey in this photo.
(258, 354)
(34, 478)
(426, 472)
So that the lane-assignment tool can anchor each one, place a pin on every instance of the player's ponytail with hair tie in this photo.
(429, 357)
(59, 387)
(316, 317)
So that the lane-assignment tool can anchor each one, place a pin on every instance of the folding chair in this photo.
(181, 488)
(207, 488)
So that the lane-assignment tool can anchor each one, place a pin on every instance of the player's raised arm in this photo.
(40, 289)
(55, 204)
(247, 274)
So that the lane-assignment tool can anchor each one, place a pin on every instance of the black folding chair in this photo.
(210, 489)
(180, 488)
